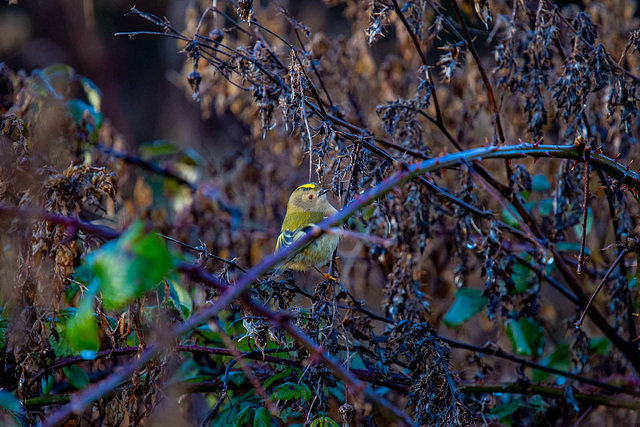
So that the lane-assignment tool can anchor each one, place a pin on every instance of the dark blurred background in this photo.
(137, 76)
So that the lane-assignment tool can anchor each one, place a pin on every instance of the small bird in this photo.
(307, 206)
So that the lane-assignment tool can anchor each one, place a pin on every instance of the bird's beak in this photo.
(323, 192)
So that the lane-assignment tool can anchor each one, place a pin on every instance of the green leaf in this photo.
(545, 207)
(9, 402)
(324, 422)
(78, 108)
(3, 329)
(288, 391)
(559, 359)
(76, 376)
(243, 417)
(538, 404)
(237, 377)
(527, 337)
(262, 418)
(367, 212)
(47, 383)
(600, 345)
(274, 378)
(128, 267)
(181, 298)
(52, 82)
(510, 218)
(571, 247)
(506, 409)
(468, 303)
(540, 183)
(306, 392)
(523, 276)
(81, 331)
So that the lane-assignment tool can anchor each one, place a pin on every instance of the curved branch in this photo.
(553, 392)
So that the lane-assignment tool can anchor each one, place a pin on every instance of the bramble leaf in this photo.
(468, 303)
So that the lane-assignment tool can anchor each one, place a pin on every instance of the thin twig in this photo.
(204, 251)
(619, 236)
(621, 255)
(483, 74)
(414, 37)
(146, 165)
(376, 240)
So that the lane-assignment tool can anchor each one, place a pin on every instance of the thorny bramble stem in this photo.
(585, 207)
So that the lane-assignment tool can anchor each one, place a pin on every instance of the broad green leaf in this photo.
(78, 108)
(274, 378)
(128, 267)
(243, 417)
(367, 212)
(324, 422)
(180, 295)
(522, 276)
(11, 410)
(288, 391)
(506, 409)
(52, 82)
(600, 345)
(545, 207)
(81, 331)
(468, 303)
(289, 412)
(511, 216)
(186, 371)
(559, 359)
(61, 346)
(237, 377)
(76, 376)
(47, 383)
(9, 402)
(262, 418)
(527, 337)
(537, 402)
(306, 392)
(540, 183)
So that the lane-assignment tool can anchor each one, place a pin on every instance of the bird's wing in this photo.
(288, 237)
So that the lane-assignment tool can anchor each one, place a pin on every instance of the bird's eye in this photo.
(310, 196)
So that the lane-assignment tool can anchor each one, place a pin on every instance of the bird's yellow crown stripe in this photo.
(310, 186)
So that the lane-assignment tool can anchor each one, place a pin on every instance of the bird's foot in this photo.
(328, 276)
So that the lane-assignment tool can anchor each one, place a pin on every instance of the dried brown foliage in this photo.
(410, 81)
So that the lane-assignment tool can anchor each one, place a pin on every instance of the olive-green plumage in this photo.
(308, 205)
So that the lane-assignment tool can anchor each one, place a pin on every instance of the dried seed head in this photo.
(244, 9)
